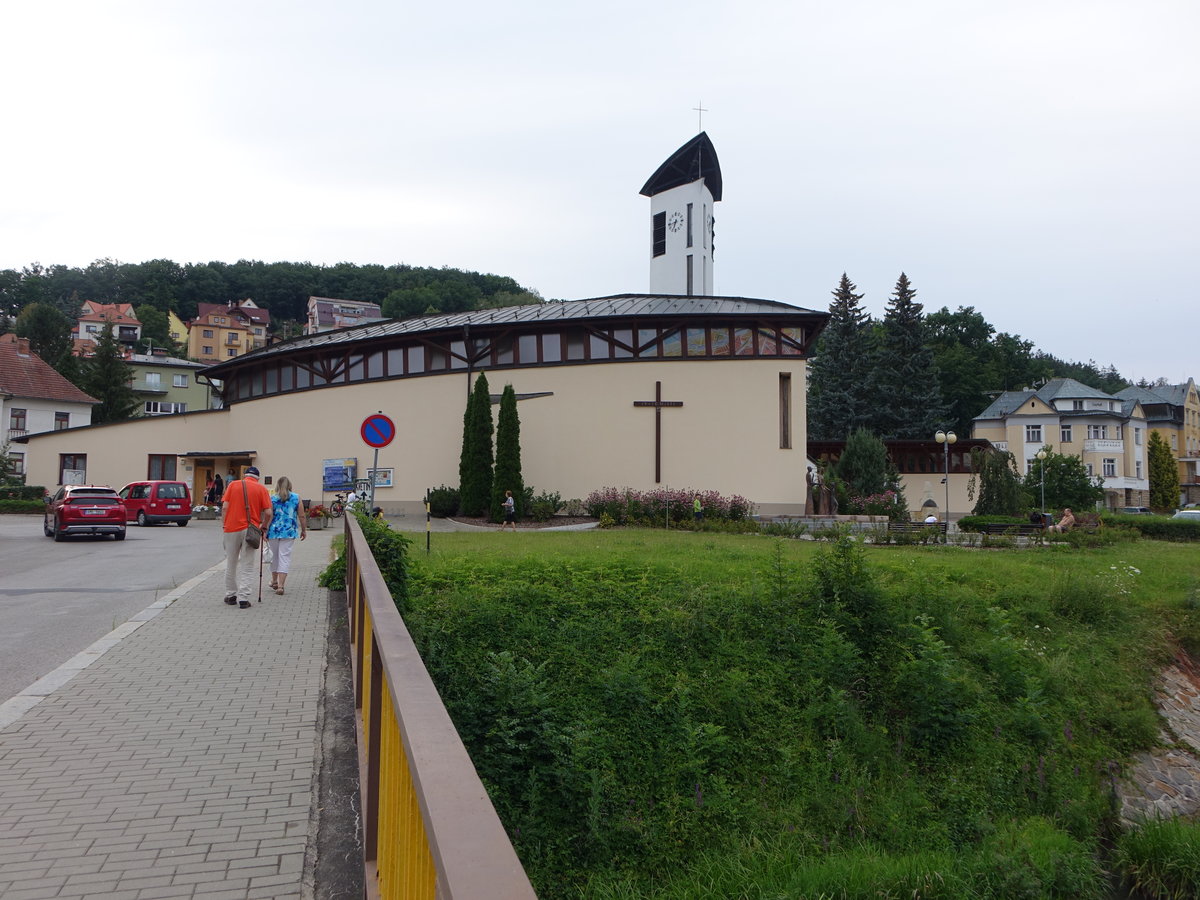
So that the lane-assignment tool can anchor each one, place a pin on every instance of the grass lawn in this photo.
(679, 714)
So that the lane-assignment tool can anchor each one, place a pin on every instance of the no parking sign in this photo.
(377, 430)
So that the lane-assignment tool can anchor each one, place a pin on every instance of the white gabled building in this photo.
(34, 399)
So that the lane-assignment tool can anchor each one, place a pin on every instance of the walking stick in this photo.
(261, 541)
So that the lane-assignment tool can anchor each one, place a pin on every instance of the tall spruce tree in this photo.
(507, 475)
(475, 463)
(908, 399)
(106, 377)
(840, 391)
(1164, 473)
(864, 467)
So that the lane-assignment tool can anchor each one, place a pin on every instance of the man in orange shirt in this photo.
(243, 496)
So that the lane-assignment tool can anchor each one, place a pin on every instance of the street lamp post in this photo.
(946, 438)
(1041, 458)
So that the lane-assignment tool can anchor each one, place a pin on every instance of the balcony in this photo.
(16, 433)
(1102, 446)
(147, 387)
(1002, 446)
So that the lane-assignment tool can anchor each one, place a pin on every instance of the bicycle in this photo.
(338, 506)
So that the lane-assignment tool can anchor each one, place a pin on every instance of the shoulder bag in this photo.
(253, 532)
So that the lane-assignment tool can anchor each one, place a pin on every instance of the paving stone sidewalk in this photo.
(182, 761)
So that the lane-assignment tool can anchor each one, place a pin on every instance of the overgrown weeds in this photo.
(691, 714)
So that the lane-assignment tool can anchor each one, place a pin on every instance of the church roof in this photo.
(598, 308)
(694, 160)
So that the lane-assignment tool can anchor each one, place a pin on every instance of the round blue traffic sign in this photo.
(378, 430)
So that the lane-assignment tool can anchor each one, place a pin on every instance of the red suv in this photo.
(152, 502)
(84, 509)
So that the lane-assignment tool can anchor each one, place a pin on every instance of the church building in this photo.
(676, 387)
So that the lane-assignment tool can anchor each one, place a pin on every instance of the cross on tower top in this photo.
(700, 111)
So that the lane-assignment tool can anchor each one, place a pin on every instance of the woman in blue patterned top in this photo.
(288, 521)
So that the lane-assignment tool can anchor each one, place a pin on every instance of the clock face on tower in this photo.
(675, 222)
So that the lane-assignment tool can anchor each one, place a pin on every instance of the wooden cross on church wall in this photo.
(658, 403)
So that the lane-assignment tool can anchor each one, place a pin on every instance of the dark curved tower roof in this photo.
(694, 160)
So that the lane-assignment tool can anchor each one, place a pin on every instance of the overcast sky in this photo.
(1036, 159)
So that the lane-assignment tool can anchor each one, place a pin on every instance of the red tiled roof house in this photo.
(35, 398)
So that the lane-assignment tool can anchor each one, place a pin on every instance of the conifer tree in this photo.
(840, 391)
(1164, 473)
(908, 399)
(475, 463)
(106, 377)
(508, 456)
(864, 467)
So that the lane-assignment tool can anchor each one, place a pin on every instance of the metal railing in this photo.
(429, 828)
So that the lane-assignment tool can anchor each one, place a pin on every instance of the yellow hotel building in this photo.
(1107, 432)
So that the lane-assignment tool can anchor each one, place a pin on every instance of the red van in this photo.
(153, 502)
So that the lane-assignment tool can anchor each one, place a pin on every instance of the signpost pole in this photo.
(374, 478)
(377, 431)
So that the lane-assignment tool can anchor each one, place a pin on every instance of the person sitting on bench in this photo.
(1066, 523)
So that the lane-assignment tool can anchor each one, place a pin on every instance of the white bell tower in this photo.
(682, 194)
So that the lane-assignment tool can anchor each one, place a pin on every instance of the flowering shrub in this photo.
(889, 503)
(204, 509)
(626, 506)
(320, 511)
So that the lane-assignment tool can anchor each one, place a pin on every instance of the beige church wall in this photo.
(725, 437)
(586, 435)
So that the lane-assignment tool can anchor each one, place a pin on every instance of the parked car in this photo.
(1135, 510)
(154, 502)
(1193, 514)
(84, 509)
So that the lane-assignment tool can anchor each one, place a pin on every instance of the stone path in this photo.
(180, 757)
(1165, 782)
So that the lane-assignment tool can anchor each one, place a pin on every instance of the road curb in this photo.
(13, 709)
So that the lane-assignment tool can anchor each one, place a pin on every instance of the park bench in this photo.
(1026, 529)
(916, 527)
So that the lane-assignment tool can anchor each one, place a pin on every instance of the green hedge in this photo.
(21, 506)
(1159, 528)
(22, 492)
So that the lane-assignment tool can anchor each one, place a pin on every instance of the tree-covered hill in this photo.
(282, 287)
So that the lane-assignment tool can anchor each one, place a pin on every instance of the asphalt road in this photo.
(56, 599)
